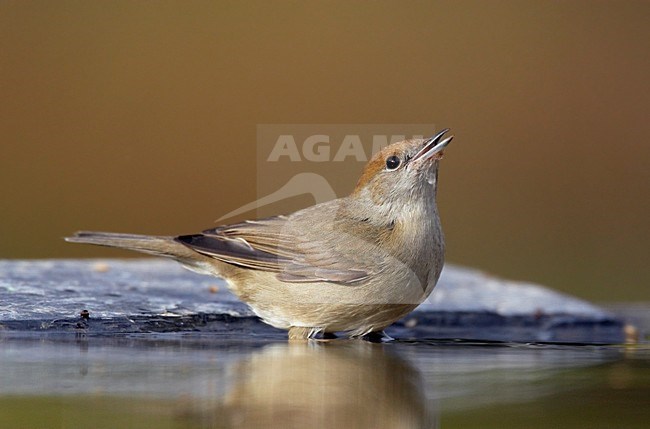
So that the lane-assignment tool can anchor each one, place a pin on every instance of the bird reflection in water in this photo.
(340, 384)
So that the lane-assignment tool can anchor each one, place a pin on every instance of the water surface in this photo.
(187, 380)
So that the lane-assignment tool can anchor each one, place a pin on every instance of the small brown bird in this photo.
(354, 265)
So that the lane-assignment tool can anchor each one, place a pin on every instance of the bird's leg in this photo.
(377, 337)
(300, 333)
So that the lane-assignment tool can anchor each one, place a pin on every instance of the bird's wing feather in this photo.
(278, 244)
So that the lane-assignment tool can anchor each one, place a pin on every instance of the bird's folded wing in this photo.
(275, 245)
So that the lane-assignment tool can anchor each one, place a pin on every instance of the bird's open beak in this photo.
(433, 146)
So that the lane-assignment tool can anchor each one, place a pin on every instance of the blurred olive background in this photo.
(141, 117)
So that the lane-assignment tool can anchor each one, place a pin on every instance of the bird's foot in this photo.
(377, 337)
(299, 333)
(374, 337)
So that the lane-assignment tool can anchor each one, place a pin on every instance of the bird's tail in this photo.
(152, 245)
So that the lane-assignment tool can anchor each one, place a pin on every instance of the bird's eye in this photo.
(392, 162)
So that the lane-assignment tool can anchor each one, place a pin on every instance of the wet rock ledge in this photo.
(118, 297)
